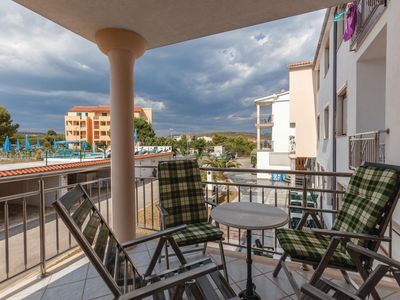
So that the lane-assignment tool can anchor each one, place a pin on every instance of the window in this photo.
(326, 58)
(341, 117)
(318, 127)
(326, 122)
(292, 125)
(318, 79)
(104, 114)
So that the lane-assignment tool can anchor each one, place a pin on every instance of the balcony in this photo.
(367, 147)
(267, 145)
(368, 12)
(266, 121)
(34, 240)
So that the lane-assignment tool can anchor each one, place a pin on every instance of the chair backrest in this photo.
(97, 240)
(369, 201)
(181, 192)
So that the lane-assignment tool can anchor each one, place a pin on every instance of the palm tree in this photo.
(224, 162)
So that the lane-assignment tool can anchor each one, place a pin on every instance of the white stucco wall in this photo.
(281, 128)
(372, 77)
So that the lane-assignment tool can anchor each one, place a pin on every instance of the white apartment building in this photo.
(358, 93)
(286, 125)
(273, 132)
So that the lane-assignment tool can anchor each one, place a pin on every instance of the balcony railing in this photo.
(368, 12)
(31, 233)
(366, 147)
(267, 119)
(267, 145)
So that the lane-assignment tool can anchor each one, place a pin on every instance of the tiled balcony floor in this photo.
(79, 280)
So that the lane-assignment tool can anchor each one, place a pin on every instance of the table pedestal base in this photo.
(250, 292)
(249, 295)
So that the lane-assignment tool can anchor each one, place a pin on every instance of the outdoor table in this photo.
(249, 216)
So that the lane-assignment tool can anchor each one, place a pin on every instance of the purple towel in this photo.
(351, 21)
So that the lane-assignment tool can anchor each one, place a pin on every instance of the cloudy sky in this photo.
(203, 85)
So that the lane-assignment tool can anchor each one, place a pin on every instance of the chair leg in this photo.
(221, 251)
(279, 265)
(323, 264)
(166, 255)
(205, 248)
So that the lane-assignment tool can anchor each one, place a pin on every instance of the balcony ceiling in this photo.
(164, 22)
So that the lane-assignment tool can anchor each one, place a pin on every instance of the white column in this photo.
(258, 127)
(122, 48)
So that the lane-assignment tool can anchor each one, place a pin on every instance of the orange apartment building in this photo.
(92, 123)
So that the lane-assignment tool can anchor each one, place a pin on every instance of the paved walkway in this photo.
(78, 280)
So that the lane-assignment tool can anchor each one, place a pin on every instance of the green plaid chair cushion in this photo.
(370, 190)
(181, 192)
(303, 245)
(197, 233)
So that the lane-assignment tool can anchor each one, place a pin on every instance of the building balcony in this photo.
(367, 147)
(267, 145)
(265, 121)
(368, 12)
(33, 242)
(73, 127)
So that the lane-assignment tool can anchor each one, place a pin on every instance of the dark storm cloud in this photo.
(196, 86)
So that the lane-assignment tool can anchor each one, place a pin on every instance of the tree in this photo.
(223, 162)
(219, 139)
(144, 129)
(239, 145)
(199, 145)
(50, 137)
(183, 145)
(253, 158)
(103, 147)
(7, 128)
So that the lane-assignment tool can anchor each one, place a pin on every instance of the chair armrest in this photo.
(153, 236)
(162, 210)
(379, 257)
(170, 282)
(344, 234)
(210, 203)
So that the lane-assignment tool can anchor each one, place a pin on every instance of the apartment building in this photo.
(302, 115)
(357, 91)
(93, 123)
(286, 125)
(273, 132)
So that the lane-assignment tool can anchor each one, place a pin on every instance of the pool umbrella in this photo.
(18, 146)
(135, 136)
(7, 144)
(38, 146)
(27, 144)
(84, 145)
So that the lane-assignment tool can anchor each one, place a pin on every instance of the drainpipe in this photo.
(334, 110)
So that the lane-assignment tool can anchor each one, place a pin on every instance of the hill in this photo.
(249, 135)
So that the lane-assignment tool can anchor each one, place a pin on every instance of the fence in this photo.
(366, 147)
(368, 12)
(31, 233)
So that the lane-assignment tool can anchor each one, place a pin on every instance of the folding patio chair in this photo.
(182, 201)
(365, 213)
(327, 289)
(116, 268)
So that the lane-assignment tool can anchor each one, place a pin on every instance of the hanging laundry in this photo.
(339, 15)
(351, 21)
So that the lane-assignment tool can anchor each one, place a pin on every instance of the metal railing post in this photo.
(304, 266)
(42, 223)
